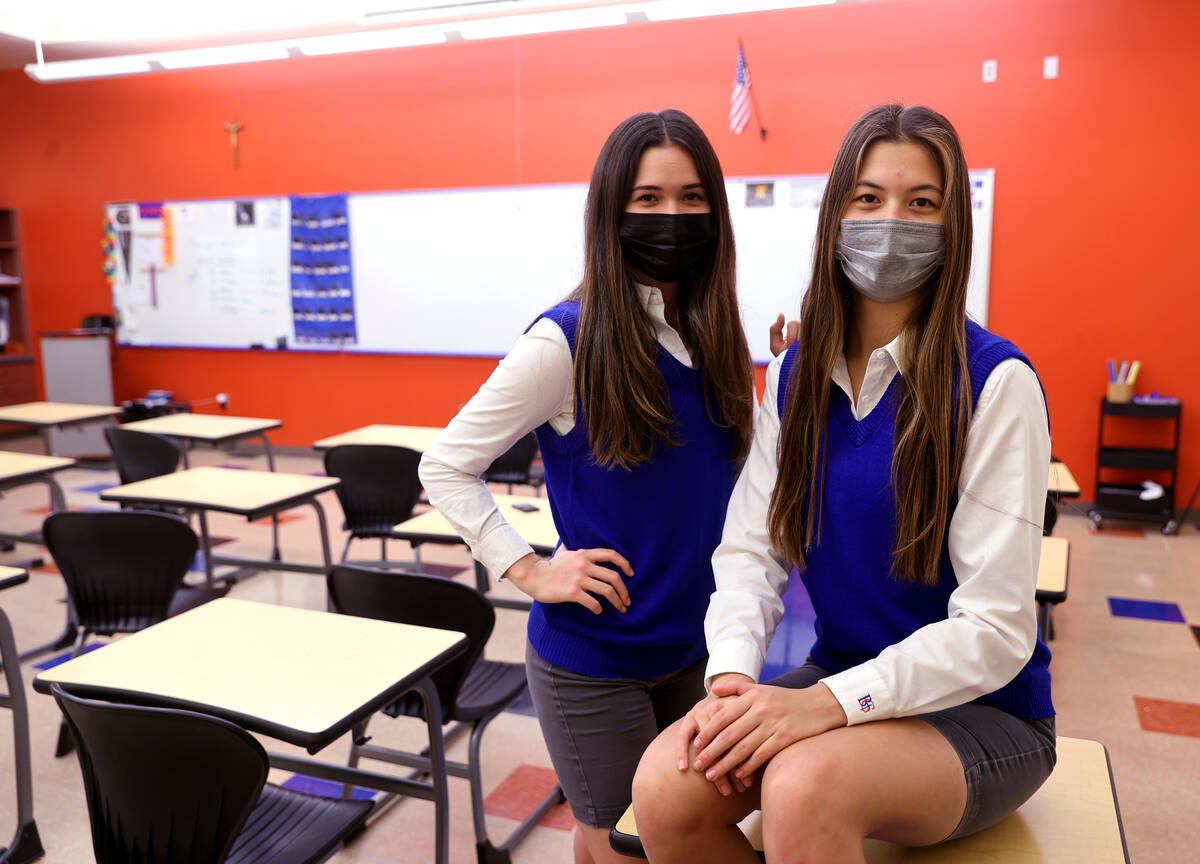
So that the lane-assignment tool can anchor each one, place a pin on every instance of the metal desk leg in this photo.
(26, 845)
(58, 504)
(185, 447)
(275, 517)
(45, 430)
(437, 764)
(207, 547)
(321, 526)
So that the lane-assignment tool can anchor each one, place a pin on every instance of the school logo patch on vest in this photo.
(865, 704)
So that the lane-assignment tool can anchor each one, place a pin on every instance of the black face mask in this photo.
(667, 247)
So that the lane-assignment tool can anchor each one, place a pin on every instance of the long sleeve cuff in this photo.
(500, 548)
(862, 694)
(732, 656)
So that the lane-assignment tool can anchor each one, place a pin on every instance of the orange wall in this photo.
(1092, 210)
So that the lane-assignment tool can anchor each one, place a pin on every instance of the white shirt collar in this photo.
(882, 366)
(655, 306)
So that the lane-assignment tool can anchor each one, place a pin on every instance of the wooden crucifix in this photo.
(233, 127)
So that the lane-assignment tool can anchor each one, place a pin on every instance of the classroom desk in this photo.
(1062, 481)
(298, 675)
(25, 845)
(214, 429)
(253, 494)
(19, 469)
(1051, 581)
(418, 438)
(48, 415)
(536, 528)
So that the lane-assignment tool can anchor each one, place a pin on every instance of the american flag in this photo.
(739, 102)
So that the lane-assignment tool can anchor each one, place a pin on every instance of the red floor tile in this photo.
(48, 566)
(521, 791)
(1163, 715)
(284, 518)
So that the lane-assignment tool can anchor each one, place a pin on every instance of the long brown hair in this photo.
(935, 408)
(622, 393)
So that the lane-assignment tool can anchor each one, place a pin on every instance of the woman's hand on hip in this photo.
(757, 721)
(574, 576)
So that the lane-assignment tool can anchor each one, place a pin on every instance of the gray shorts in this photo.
(1005, 758)
(596, 729)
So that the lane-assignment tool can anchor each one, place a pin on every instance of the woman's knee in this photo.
(809, 779)
(662, 794)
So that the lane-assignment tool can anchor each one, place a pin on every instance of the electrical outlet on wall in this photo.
(1050, 66)
(989, 71)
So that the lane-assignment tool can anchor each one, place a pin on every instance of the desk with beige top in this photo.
(536, 527)
(243, 492)
(55, 415)
(419, 438)
(298, 675)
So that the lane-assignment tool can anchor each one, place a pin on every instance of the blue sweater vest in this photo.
(861, 608)
(665, 516)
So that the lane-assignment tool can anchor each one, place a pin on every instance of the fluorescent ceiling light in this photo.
(673, 10)
(542, 22)
(98, 67)
(222, 55)
(370, 40)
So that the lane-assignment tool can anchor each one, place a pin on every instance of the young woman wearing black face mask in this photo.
(640, 389)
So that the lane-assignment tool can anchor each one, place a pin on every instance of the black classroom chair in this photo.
(140, 456)
(472, 691)
(166, 786)
(515, 466)
(378, 491)
(123, 571)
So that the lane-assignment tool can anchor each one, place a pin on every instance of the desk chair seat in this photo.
(166, 786)
(472, 691)
(123, 572)
(515, 466)
(378, 491)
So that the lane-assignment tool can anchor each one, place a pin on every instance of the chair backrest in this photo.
(415, 598)
(512, 466)
(140, 455)
(121, 569)
(163, 786)
(379, 485)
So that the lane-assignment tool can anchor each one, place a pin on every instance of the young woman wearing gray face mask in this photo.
(900, 463)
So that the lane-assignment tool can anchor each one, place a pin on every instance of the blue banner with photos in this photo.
(322, 282)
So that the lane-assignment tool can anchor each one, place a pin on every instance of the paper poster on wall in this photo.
(322, 279)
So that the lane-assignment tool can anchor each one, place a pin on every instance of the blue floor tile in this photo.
(59, 659)
(1151, 610)
(324, 788)
(95, 488)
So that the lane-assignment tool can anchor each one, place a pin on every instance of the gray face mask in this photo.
(888, 259)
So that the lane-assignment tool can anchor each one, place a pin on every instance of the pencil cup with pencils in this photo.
(1121, 379)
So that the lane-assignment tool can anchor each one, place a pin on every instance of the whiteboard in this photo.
(459, 271)
(202, 273)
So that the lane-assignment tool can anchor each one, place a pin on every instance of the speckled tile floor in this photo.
(1131, 681)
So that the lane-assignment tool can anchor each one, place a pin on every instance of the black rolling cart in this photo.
(1121, 500)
